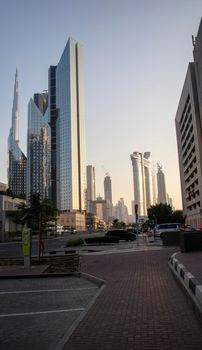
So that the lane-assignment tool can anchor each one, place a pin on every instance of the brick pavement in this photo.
(141, 307)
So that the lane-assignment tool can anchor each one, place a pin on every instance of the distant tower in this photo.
(90, 175)
(142, 178)
(108, 188)
(108, 195)
(121, 211)
(38, 147)
(17, 162)
(161, 186)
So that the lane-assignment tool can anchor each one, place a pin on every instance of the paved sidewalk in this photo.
(141, 307)
(193, 263)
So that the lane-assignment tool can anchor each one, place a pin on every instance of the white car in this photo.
(170, 227)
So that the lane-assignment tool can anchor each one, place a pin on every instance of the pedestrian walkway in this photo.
(193, 263)
(141, 307)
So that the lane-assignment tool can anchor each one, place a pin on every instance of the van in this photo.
(170, 227)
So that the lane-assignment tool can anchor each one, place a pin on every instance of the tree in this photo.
(37, 215)
(178, 216)
(162, 213)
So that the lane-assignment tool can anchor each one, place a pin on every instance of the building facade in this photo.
(38, 147)
(8, 209)
(142, 179)
(90, 176)
(3, 187)
(189, 140)
(72, 220)
(161, 185)
(70, 131)
(17, 162)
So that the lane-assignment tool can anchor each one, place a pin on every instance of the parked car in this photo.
(168, 227)
(122, 234)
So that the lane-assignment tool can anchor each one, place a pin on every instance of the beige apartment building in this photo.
(189, 141)
(189, 136)
(75, 220)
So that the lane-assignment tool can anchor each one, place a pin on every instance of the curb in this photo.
(187, 280)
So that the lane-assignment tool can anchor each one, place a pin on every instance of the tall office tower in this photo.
(38, 147)
(17, 162)
(188, 129)
(108, 188)
(108, 195)
(90, 175)
(67, 85)
(52, 122)
(142, 177)
(161, 185)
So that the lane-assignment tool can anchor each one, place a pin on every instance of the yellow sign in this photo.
(26, 241)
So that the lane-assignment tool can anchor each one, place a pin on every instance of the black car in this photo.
(121, 234)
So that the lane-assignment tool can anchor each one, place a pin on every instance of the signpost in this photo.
(26, 246)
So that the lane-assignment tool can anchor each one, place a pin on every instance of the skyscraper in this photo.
(108, 196)
(52, 122)
(90, 172)
(108, 188)
(161, 185)
(142, 178)
(67, 85)
(17, 162)
(189, 136)
(121, 211)
(38, 147)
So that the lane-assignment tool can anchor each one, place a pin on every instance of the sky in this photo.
(136, 54)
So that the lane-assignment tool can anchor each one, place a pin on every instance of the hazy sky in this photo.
(136, 54)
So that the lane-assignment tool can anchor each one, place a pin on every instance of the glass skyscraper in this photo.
(67, 84)
(38, 147)
(17, 162)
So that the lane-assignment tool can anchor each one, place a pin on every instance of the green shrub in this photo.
(104, 239)
(75, 242)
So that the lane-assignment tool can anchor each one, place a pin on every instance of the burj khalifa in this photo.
(17, 162)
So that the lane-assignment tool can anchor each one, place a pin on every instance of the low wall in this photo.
(171, 238)
(191, 241)
(63, 263)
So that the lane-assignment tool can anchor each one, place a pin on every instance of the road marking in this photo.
(40, 312)
(46, 290)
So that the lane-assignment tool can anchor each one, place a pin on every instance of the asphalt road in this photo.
(15, 249)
